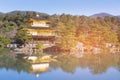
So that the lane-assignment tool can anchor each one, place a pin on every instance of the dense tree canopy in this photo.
(70, 28)
(66, 35)
(4, 41)
(91, 31)
(23, 36)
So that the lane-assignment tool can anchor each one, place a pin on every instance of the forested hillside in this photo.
(90, 31)
(71, 28)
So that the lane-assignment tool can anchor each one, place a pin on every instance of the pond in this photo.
(88, 67)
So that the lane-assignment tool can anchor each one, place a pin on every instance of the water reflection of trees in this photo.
(9, 62)
(97, 64)
(67, 63)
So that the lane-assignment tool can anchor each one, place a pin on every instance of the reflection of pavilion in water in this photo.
(39, 68)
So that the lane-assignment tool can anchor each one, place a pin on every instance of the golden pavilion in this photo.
(41, 31)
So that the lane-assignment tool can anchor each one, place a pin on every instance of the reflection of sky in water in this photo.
(58, 74)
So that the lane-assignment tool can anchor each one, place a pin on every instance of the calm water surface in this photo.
(58, 74)
(88, 67)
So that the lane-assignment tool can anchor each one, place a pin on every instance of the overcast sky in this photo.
(74, 7)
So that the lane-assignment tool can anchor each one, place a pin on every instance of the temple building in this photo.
(41, 31)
